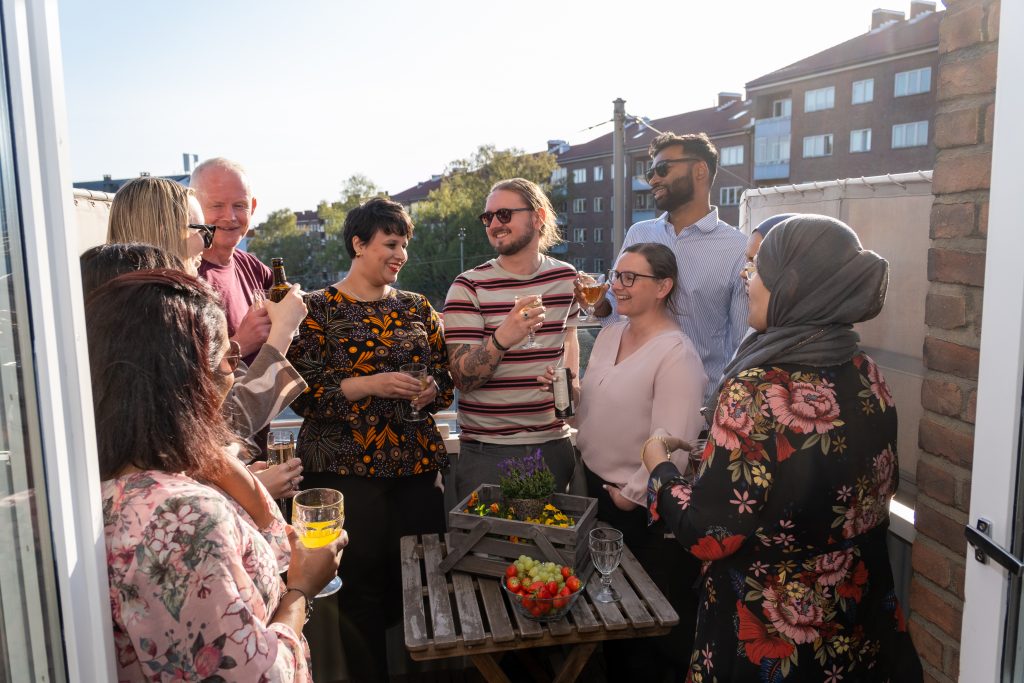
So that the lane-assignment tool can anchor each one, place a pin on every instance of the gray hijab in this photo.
(821, 281)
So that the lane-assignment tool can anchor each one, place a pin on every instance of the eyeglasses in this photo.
(661, 168)
(233, 356)
(206, 231)
(748, 270)
(504, 216)
(627, 278)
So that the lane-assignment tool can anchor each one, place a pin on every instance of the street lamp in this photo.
(462, 256)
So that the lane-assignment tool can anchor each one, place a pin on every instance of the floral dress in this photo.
(193, 585)
(789, 513)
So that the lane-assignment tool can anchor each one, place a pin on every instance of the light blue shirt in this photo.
(710, 299)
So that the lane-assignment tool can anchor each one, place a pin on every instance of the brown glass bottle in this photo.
(281, 285)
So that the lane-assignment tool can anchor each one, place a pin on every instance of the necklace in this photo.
(347, 291)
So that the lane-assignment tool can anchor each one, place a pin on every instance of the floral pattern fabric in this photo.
(193, 586)
(789, 513)
(342, 338)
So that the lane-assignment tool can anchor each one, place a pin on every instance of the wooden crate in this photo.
(481, 545)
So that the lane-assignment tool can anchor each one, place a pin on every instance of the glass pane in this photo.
(30, 636)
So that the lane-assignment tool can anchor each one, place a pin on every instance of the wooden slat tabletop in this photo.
(481, 620)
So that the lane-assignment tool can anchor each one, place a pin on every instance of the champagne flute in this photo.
(318, 516)
(606, 552)
(417, 371)
(593, 288)
(531, 340)
(280, 447)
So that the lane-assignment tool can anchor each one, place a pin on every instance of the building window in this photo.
(579, 263)
(731, 156)
(558, 176)
(599, 265)
(579, 205)
(599, 234)
(822, 98)
(579, 175)
(639, 168)
(579, 234)
(729, 196)
(563, 206)
(642, 201)
(782, 108)
(598, 204)
(860, 140)
(913, 82)
(598, 173)
(910, 134)
(772, 149)
(818, 145)
(863, 91)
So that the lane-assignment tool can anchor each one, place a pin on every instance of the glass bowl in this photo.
(542, 609)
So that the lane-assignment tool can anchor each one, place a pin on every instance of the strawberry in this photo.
(573, 584)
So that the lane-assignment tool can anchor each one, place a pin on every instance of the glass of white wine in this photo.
(280, 447)
(417, 371)
(606, 552)
(318, 516)
(531, 339)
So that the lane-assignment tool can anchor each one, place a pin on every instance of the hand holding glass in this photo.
(280, 448)
(593, 288)
(318, 516)
(531, 340)
(417, 371)
(606, 552)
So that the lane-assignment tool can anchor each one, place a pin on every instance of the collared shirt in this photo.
(710, 299)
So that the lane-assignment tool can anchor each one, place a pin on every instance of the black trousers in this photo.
(674, 570)
(378, 512)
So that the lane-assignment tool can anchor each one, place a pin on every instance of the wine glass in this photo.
(531, 340)
(695, 455)
(417, 371)
(606, 552)
(280, 447)
(318, 516)
(593, 288)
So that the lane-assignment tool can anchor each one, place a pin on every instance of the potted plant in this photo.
(526, 484)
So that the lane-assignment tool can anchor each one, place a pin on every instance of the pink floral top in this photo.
(789, 512)
(193, 585)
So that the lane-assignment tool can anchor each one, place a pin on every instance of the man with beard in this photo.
(489, 312)
(710, 300)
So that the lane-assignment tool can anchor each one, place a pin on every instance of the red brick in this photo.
(952, 220)
(941, 397)
(992, 22)
(928, 646)
(940, 528)
(990, 111)
(972, 406)
(957, 128)
(930, 562)
(931, 605)
(950, 357)
(956, 584)
(953, 445)
(983, 218)
(963, 494)
(954, 664)
(957, 267)
(962, 172)
(946, 311)
(961, 27)
(974, 76)
(935, 482)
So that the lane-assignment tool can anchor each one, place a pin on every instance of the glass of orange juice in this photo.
(318, 516)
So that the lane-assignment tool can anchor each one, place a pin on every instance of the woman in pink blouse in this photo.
(194, 585)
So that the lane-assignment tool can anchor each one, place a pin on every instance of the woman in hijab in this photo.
(789, 510)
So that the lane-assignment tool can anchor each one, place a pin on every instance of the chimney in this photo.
(556, 146)
(919, 7)
(727, 97)
(884, 16)
(106, 177)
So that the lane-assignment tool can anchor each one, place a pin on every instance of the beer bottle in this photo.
(281, 285)
(560, 388)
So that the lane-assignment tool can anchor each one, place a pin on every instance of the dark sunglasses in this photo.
(233, 356)
(628, 278)
(504, 216)
(206, 231)
(661, 168)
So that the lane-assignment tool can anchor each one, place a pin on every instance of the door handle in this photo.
(980, 538)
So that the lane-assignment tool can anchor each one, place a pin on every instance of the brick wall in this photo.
(968, 38)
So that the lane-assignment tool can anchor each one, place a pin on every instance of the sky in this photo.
(309, 92)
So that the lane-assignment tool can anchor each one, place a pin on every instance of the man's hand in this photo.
(520, 321)
(254, 329)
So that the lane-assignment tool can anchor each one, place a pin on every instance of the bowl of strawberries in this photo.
(541, 591)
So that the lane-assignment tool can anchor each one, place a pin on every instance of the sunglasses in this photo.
(503, 215)
(206, 231)
(233, 356)
(628, 278)
(661, 168)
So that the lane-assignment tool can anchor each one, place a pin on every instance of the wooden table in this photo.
(462, 615)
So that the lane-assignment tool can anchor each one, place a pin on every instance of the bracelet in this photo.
(309, 603)
(497, 344)
(668, 451)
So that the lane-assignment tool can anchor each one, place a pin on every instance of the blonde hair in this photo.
(152, 211)
(535, 198)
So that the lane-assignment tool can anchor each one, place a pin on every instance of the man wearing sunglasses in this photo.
(489, 313)
(710, 298)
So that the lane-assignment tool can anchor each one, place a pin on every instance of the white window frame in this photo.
(729, 196)
(598, 235)
(579, 263)
(597, 205)
(912, 82)
(731, 156)
(867, 91)
(598, 174)
(772, 149)
(820, 99)
(579, 176)
(579, 235)
(782, 108)
(862, 136)
(559, 175)
(913, 134)
(579, 205)
(818, 146)
(599, 265)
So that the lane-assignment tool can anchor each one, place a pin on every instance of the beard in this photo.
(679, 192)
(510, 248)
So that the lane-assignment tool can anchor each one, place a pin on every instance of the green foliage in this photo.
(526, 477)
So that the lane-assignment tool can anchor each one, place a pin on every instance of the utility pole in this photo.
(620, 178)
(462, 255)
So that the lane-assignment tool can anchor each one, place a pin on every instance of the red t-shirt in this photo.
(236, 283)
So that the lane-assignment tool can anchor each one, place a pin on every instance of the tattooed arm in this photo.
(472, 365)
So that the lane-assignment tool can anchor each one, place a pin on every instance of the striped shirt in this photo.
(510, 408)
(710, 298)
